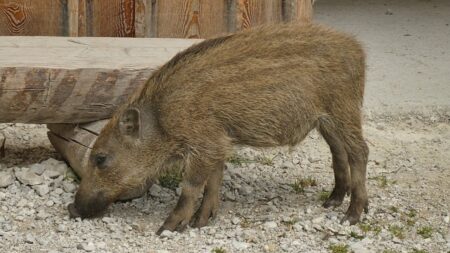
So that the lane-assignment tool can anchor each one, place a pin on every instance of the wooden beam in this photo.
(298, 10)
(74, 80)
(305, 11)
(74, 142)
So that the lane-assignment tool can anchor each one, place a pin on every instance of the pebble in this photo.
(155, 190)
(246, 190)
(42, 189)
(235, 220)
(86, 246)
(37, 168)
(28, 177)
(42, 215)
(69, 187)
(61, 228)
(270, 225)
(239, 245)
(7, 178)
(229, 196)
(101, 245)
(167, 234)
(29, 238)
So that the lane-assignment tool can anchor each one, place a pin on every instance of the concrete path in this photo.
(408, 46)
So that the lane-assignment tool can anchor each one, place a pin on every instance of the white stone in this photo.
(239, 245)
(6, 178)
(69, 187)
(166, 234)
(270, 224)
(28, 177)
(235, 220)
(41, 189)
(86, 246)
(155, 190)
(37, 168)
(318, 220)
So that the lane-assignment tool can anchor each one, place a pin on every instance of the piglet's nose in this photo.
(73, 212)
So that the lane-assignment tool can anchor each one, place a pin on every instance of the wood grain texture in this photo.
(298, 10)
(112, 18)
(73, 14)
(72, 80)
(251, 13)
(190, 18)
(31, 17)
(142, 18)
(75, 141)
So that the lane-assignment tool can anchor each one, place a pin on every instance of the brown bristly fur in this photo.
(266, 87)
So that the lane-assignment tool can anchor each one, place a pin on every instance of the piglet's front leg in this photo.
(185, 208)
(194, 180)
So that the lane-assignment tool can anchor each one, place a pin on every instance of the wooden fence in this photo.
(145, 18)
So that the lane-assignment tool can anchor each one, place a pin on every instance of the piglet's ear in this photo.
(130, 123)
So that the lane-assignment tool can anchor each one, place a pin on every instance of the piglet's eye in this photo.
(100, 160)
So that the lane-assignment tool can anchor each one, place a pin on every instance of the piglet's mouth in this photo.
(75, 213)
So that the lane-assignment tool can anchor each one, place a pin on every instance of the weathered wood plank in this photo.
(190, 18)
(73, 80)
(112, 18)
(298, 10)
(251, 13)
(30, 17)
(75, 141)
(73, 8)
(142, 18)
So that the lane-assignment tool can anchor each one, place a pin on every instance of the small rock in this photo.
(235, 220)
(57, 191)
(388, 12)
(226, 177)
(447, 219)
(155, 190)
(22, 203)
(69, 187)
(61, 228)
(362, 246)
(29, 238)
(42, 215)
(313, 159)
(246, 190)
(54, 168)
(318, 220)
(108, 220)
(6, 178)
(167, 234)
(229, 196)
(28, 177)
(37, 168)
(86, 246)
(101, 245)
(270, 224)
(43, 241)
(239, 245)
(42, 189)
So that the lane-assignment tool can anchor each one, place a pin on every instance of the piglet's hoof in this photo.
(73, 212)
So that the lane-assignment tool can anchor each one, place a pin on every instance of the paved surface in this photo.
(408, 45)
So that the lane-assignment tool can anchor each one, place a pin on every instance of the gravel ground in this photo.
(271, 199)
